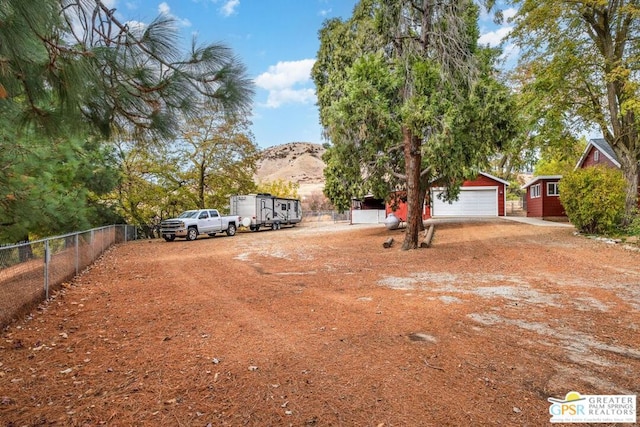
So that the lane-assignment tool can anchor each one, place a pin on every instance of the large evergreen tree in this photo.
(407, 100)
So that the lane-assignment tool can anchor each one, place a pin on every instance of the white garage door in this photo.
(478, 201)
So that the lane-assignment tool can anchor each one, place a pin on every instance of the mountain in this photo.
(299, 162)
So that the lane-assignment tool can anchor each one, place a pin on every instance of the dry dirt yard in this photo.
(321, 326)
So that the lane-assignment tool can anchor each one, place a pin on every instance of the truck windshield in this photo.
(188, 214)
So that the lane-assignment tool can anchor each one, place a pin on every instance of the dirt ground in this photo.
(322, 326)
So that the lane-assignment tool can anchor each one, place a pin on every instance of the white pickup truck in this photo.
(190, 224)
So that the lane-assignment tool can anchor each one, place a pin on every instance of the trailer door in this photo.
(265, 210)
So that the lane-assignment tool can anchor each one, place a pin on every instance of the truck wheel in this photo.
(231, 230)
(192, 233)
(169, 237)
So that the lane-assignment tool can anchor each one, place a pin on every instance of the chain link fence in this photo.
(30, 271)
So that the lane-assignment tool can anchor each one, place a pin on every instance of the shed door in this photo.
(480, 201)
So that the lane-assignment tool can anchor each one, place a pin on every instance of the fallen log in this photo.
(387, 243)
(426, 243)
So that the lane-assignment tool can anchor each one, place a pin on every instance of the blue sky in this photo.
(277, 40)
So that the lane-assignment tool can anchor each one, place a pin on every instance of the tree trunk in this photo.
(425, 182)
(201, 183)
(413, 164)
(630, 171)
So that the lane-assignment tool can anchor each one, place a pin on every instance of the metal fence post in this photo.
(46, 269)
(77, 244)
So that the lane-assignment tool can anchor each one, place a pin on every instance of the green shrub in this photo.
(633, 229)
(593, 198)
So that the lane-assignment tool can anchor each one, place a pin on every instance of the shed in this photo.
(542, 197)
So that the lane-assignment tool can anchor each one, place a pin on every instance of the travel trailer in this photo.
(264, 210)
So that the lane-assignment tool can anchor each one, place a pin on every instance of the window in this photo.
(203, 215)
(596, 156)
(535, 191)
(552, 189)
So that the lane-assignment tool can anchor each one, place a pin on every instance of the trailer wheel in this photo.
(231, 230)
(192, 233)
(169, 237)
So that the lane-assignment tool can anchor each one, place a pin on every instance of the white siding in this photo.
(367, 216)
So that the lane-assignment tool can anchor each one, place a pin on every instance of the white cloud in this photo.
(500, 5)
(287, 82)
(325, 12)
(510, 54)
(509, 13)
(136, 27)
(229, 8)
(484, 14)
(286, 74)
(280, 97)
(511, 50)
(164, 9)
(494, 38)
